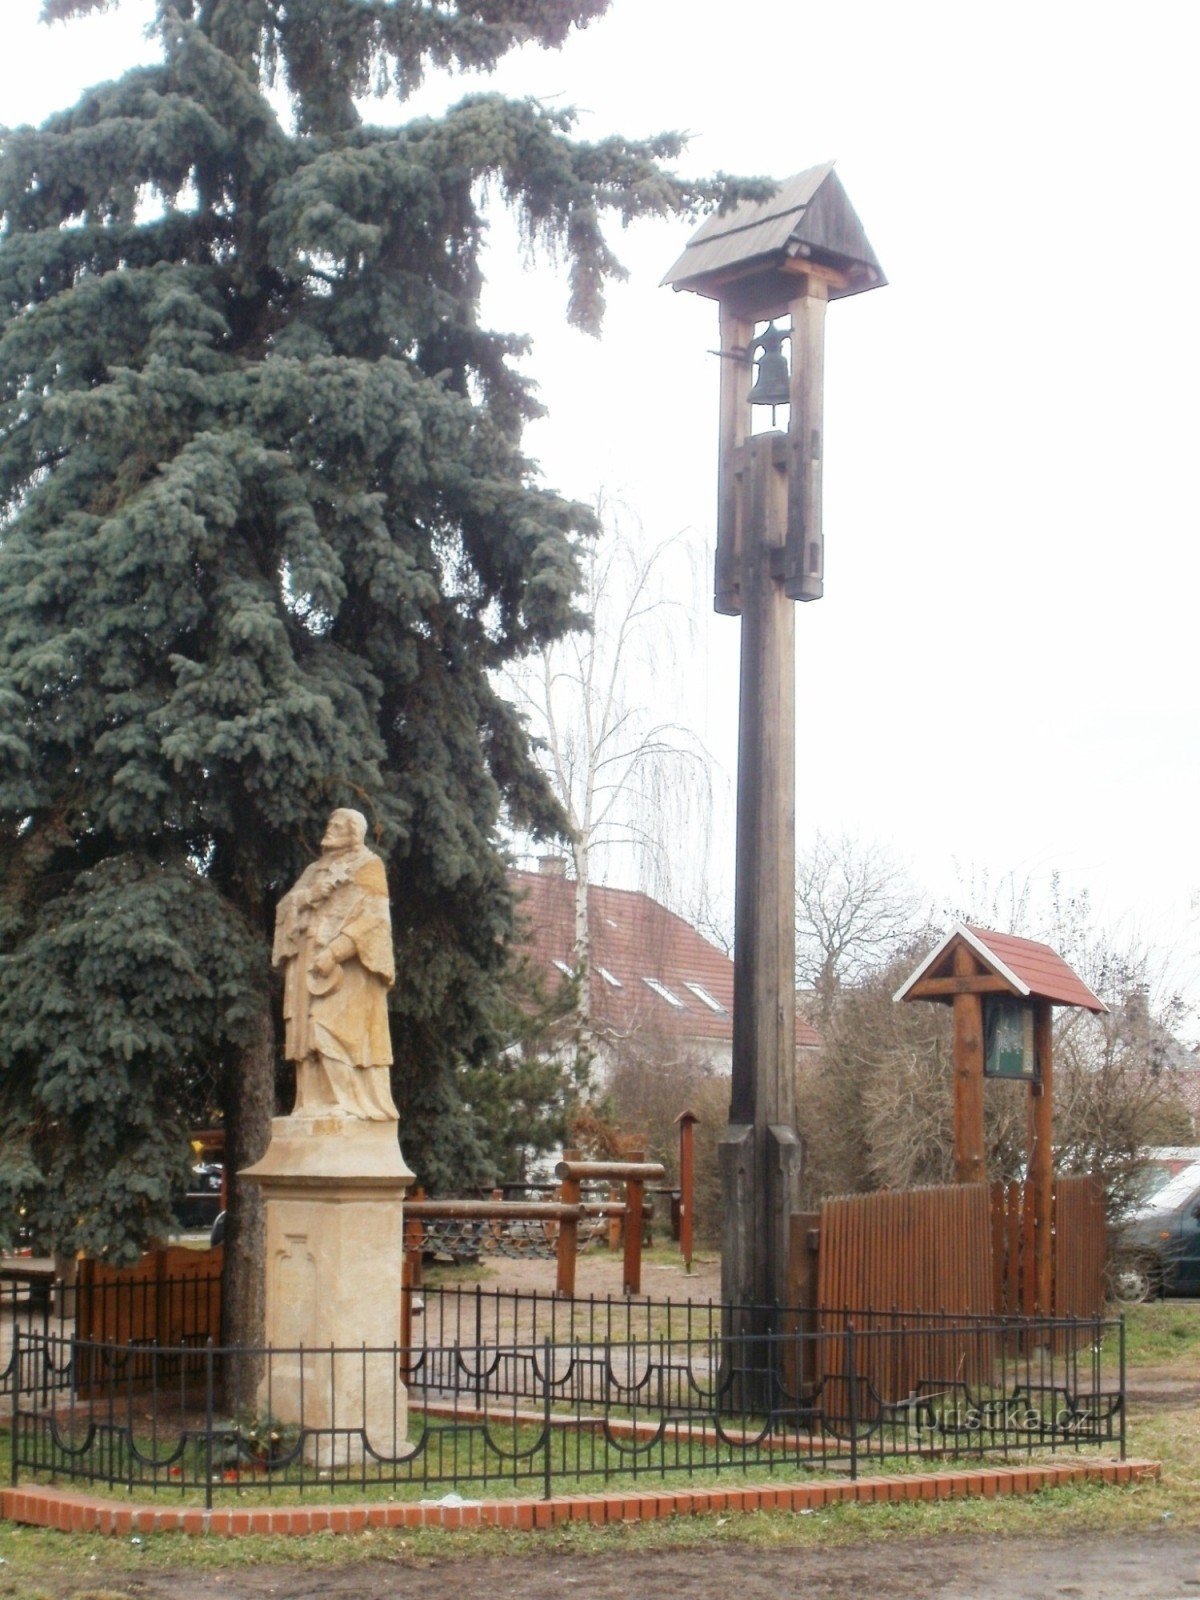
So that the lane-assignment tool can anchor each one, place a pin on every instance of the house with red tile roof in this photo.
(651, 971)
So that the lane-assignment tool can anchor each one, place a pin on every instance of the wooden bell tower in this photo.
(779, 261)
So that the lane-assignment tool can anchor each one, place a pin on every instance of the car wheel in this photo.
(1133, 1282)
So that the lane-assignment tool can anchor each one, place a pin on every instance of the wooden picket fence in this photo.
(888, 1259)
(1080, 1247)
(960, 1248)
(899, 1257)
(907, 1249)
(171, 1297)
(1080, 1244)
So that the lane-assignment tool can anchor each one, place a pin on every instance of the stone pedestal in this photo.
(334, 1193)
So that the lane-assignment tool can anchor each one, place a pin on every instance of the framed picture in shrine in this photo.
(1008, 1039)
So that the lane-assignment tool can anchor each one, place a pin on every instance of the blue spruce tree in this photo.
(266, 528)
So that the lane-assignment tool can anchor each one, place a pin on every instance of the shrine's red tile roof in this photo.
(636, 943)
(1042, 970)
(1032, 968)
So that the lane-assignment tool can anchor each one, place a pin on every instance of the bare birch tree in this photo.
(855, 907)
(631, 777)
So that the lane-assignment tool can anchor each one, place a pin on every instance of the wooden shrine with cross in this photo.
(1003, 990)
(772, 266)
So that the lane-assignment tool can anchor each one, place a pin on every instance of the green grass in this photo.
(582, 1462)
(1161, 1334)
(511, 1463)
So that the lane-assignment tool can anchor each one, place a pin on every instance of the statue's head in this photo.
(346, 830)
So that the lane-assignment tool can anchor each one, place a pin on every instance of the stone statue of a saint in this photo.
(333, 938)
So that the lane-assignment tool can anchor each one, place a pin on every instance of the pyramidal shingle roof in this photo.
(809, 216)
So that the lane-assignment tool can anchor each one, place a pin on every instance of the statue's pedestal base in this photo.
(334, 1193)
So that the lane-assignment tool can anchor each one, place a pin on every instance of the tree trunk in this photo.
(585, 1044)
(249, 1106)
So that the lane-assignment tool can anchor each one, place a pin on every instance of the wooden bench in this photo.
(37, 1275)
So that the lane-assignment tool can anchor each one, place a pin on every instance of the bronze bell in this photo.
(773, 386)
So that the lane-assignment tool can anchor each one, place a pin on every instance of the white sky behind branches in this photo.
(1002, 676)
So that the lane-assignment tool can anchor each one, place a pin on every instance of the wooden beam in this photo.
(956, 959)
(633, 1170)
(736, 377)
(799, 1354)
(943, 988)
(631, 1272)
(1041, 1159)
(568, 1242)
(805, 266)
(687, 1130)
(760, 1149)
(970, 1164)
(506, 1210)
(804, 555)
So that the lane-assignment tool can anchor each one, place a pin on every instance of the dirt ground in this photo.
(1159, 1566)
(598, 1272)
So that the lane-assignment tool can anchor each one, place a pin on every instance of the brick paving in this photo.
(59, 1508)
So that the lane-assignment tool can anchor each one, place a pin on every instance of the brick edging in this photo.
(79, 1513)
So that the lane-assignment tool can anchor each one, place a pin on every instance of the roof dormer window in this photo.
(664, 993)
(704, 997)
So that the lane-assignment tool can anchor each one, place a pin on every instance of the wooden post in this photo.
(414, 1243)
(804, 571)
(616, 1222)
(736, 376)
(635, 1190)
(803, 1247)
(632, 1265)
(496, 1226)
(567, 1250)
(687, 1121)
(970, 1164)
(759, 1151)
(412, 1274)
(406, 1315)
(1041, 1160)
(629, 1148)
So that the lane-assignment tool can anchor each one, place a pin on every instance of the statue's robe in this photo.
(336, 1026)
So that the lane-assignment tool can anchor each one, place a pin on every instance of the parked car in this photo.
(1157, 1247)
(1162, 1164)
(197, 1210)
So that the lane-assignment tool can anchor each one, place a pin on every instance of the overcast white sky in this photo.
(1002, 675)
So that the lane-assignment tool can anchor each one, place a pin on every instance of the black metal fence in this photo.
(666, 1403)
(37, 1306)
(133, 1311)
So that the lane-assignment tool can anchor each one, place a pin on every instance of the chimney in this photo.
(1137, 1005)
(552, 866)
